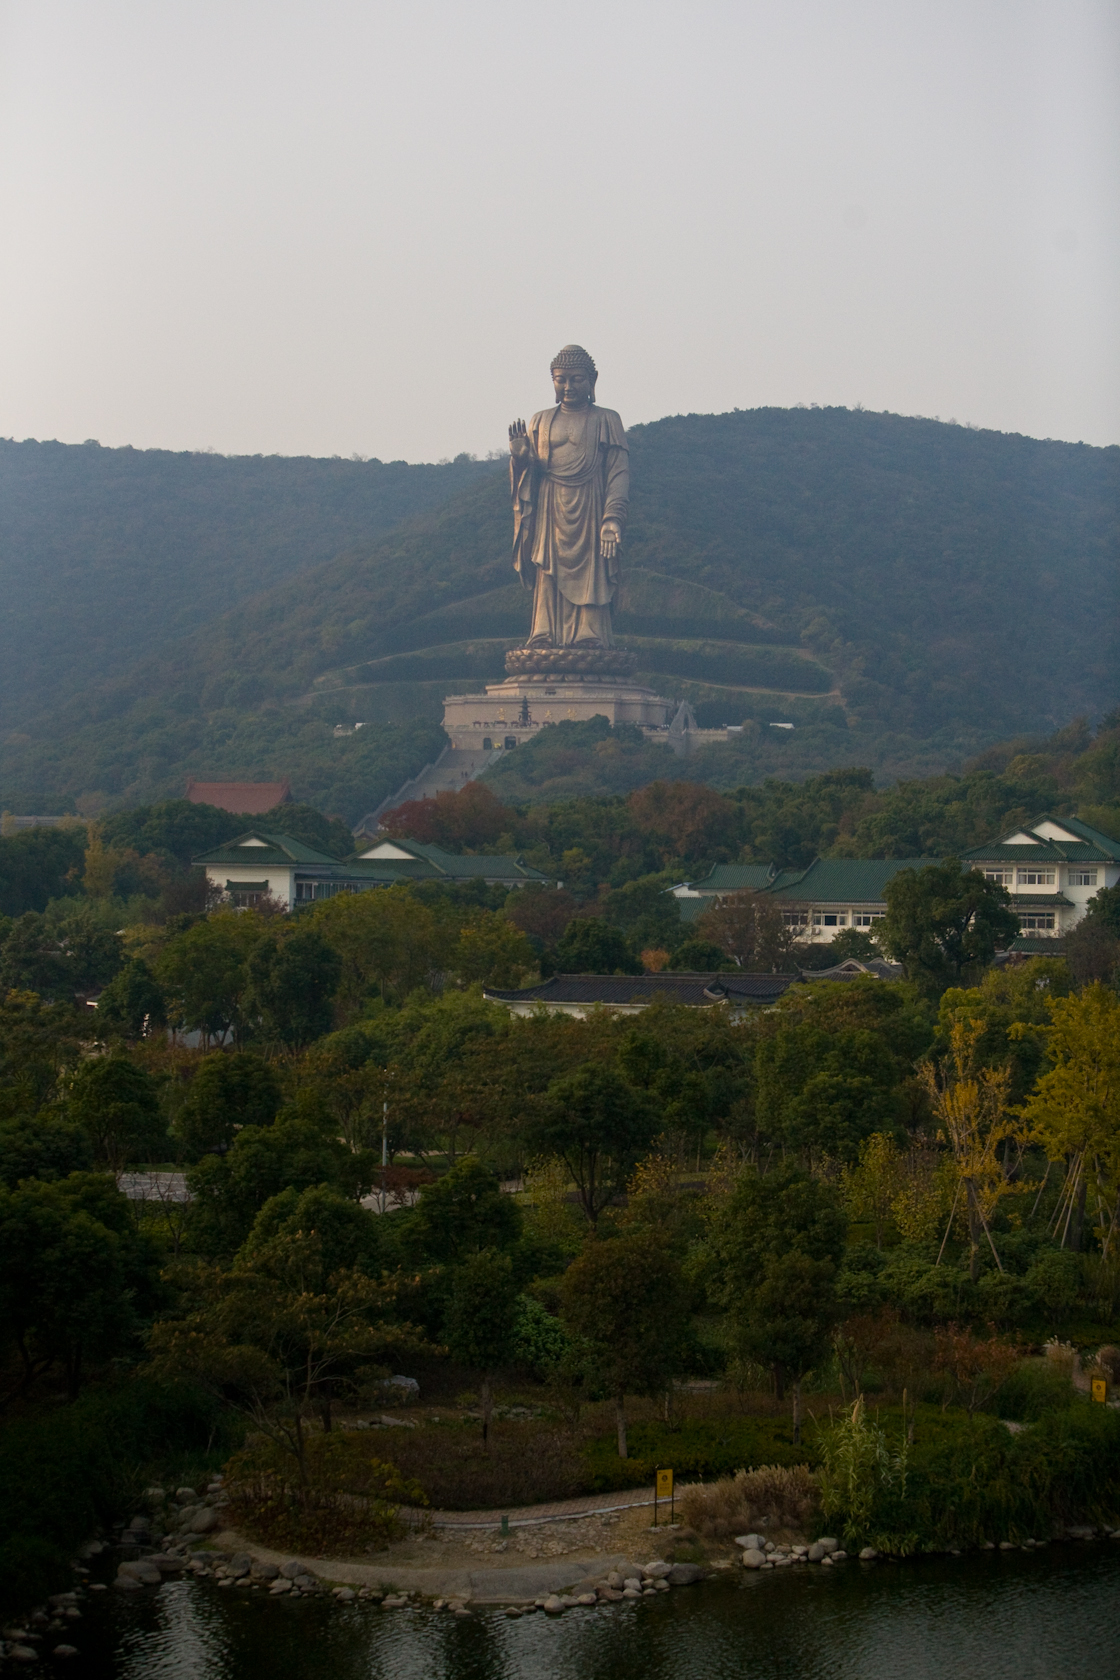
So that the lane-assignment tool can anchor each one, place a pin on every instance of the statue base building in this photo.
(553, 685)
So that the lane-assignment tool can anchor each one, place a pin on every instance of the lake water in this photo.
(1013, 1616)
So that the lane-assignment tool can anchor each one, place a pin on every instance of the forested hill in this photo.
(107, 554)
(905, 592)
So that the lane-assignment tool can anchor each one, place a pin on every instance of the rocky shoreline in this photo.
(184, 1536)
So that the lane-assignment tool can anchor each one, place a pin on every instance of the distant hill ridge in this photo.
(904, 591)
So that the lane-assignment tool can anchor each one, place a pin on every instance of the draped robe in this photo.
(557, 517)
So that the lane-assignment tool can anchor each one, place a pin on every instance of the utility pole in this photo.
(384, 1148)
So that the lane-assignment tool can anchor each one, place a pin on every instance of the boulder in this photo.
(155, 1495)
(754, 1557)
(656, 1571)
(586, 1598)
(128, 1583)
(345, 1595)
(868, 1555)
(186, 1495)
(204, 1521)
(65, 1651)
(553, 1606)
(631, 1592)
(291, 1569)
(239, 1565)
(828, 1543)
(264, 1571)
(142, 1570)
(22, 1654)
(685, 1574)
(751, 1542)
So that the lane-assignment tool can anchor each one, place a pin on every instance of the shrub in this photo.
(1037, 1388)
(348, 1499)
(858, 1467)
(63, 1475)
(774, 1496)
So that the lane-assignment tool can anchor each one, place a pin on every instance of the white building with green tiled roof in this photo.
(255, 864)
(1052, 867)
(832, 894)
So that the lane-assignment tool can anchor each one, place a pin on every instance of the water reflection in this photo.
(1046, 1616)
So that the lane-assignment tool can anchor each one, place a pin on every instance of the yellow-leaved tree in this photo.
(1075, 1110)
(969, 1101)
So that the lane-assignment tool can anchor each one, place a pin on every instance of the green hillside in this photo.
(904, 592)
(107, 554)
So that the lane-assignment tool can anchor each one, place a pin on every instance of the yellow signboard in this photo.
(664, 1484)
(1100, 1392)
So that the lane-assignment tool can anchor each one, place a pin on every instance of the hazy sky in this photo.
(364, 226)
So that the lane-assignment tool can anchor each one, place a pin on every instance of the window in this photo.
(864, 918)
(305, 892)
(830, 918)
(1082, 877)
(1037, 921)
(1003, 876)
(795, 919)
(1036, 877)
(245, 900)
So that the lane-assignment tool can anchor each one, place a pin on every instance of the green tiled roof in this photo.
(1091, 847)
(1044, 852)
(431, 862)
(735, 877)
(278, 850)
(1092, 835)
(844, 880)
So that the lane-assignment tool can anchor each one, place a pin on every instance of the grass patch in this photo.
(696, 1449)
(526, 1464)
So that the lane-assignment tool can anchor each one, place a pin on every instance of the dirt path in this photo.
(464, 1554)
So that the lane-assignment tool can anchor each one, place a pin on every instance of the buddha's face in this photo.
(572, 386)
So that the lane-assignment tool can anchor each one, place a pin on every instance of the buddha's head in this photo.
(573, 377)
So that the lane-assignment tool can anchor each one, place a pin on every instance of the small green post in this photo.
(505, 1528)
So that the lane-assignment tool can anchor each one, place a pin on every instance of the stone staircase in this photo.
(453, 769)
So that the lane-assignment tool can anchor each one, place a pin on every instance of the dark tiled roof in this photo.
(853, 967)
(1028, 946)
(699, 990)
(248, 799)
